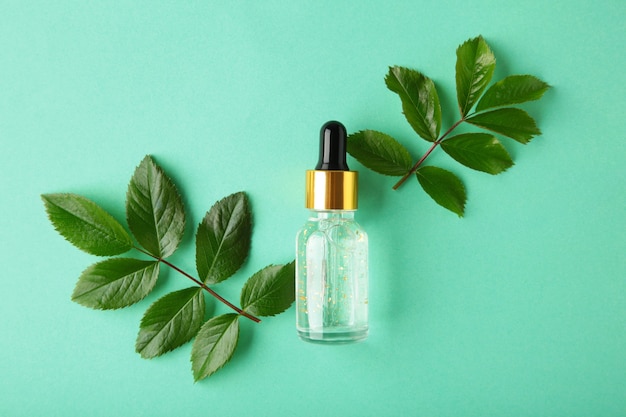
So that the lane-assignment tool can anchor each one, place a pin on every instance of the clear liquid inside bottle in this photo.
(332, 279)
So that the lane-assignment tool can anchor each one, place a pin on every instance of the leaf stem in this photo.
(428, 152)
(202, 285)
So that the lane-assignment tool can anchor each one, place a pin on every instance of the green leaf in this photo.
(115, 283)
(420, 101)
(154, 209)
(170, 322)
(475, 64)
(444, 187)
(270, 291)
(379, 152)
(514, 89)
(479, 151)
(215, 344)
(223, 238)
(511, 122)
(86, 225)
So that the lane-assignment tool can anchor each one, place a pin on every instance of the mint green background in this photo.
(519, 309)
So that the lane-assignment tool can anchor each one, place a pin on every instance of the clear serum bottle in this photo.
(331, 250)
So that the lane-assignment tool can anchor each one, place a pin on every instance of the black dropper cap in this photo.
(332, 147)
(332, 186)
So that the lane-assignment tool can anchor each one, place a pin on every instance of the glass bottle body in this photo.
(332, 278)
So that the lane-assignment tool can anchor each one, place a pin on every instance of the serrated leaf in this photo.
(514, 89)
(215, 344)
(512, 122)
(270, 291)
(379, 152)
(115, 283)
(444, 187)
(475, 64)
(86, 225)
(154, 209)
(170, 322)
(479, 151)
(223, 238)
(420, 101)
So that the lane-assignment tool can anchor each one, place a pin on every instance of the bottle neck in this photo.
(333, 214)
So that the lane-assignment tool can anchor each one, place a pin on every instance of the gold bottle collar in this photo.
(331, 190)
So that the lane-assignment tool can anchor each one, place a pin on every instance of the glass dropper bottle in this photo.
(331, 250)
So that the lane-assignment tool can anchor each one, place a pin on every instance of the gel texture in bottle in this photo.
(331, 250)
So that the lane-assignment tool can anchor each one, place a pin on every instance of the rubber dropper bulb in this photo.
(333, 140)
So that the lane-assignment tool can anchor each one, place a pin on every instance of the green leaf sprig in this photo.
(480, 151)
(156, 218)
